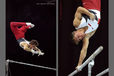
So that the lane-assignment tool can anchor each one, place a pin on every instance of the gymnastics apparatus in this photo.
(27, 64)
(90, 62)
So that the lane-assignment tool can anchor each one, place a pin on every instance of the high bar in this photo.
(88, 60)
(12, 61)
(103, 72)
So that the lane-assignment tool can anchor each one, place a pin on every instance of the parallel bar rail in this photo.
(88, 60)
(103, 72)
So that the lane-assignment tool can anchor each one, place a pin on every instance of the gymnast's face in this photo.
(78, 35)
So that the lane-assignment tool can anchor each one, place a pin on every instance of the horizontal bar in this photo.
(88, 60)
(103, 72)
(12, 61)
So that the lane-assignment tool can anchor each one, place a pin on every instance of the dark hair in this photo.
(34, 42)
(75, 41)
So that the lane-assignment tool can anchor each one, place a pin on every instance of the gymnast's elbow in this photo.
(76, 22)
(79, 9)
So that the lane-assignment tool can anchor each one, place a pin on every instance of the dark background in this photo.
(69, 52)
(44, 18)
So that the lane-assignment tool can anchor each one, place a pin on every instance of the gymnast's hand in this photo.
(78, 69)
(40, 53)
(92, 16)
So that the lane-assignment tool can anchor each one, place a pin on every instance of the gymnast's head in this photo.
(33, 43)
(78, 35)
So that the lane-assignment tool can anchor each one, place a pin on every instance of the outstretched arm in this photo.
(34, 50)
(83, 51)
(38, 50)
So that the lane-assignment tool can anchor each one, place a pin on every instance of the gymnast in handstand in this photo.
(86, 22)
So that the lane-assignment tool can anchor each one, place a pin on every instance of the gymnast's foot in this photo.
(40, 53)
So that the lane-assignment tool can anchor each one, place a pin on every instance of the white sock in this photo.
(28, 23)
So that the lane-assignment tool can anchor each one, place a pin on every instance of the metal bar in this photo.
(88, 60)
(11, 61)
(103, 72)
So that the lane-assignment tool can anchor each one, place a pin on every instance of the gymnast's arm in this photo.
(25, 46)
(78, 16)
(85, 43)
(83, 50)
(37, 49)
(85, 46)
(83, 10)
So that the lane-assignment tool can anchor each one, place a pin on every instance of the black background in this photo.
(69, 52)
(44, 18)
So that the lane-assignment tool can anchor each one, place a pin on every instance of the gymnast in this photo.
(86, 22)
(19, 29)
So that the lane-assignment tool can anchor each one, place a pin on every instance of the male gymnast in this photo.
(19, 29)
(86, 22)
